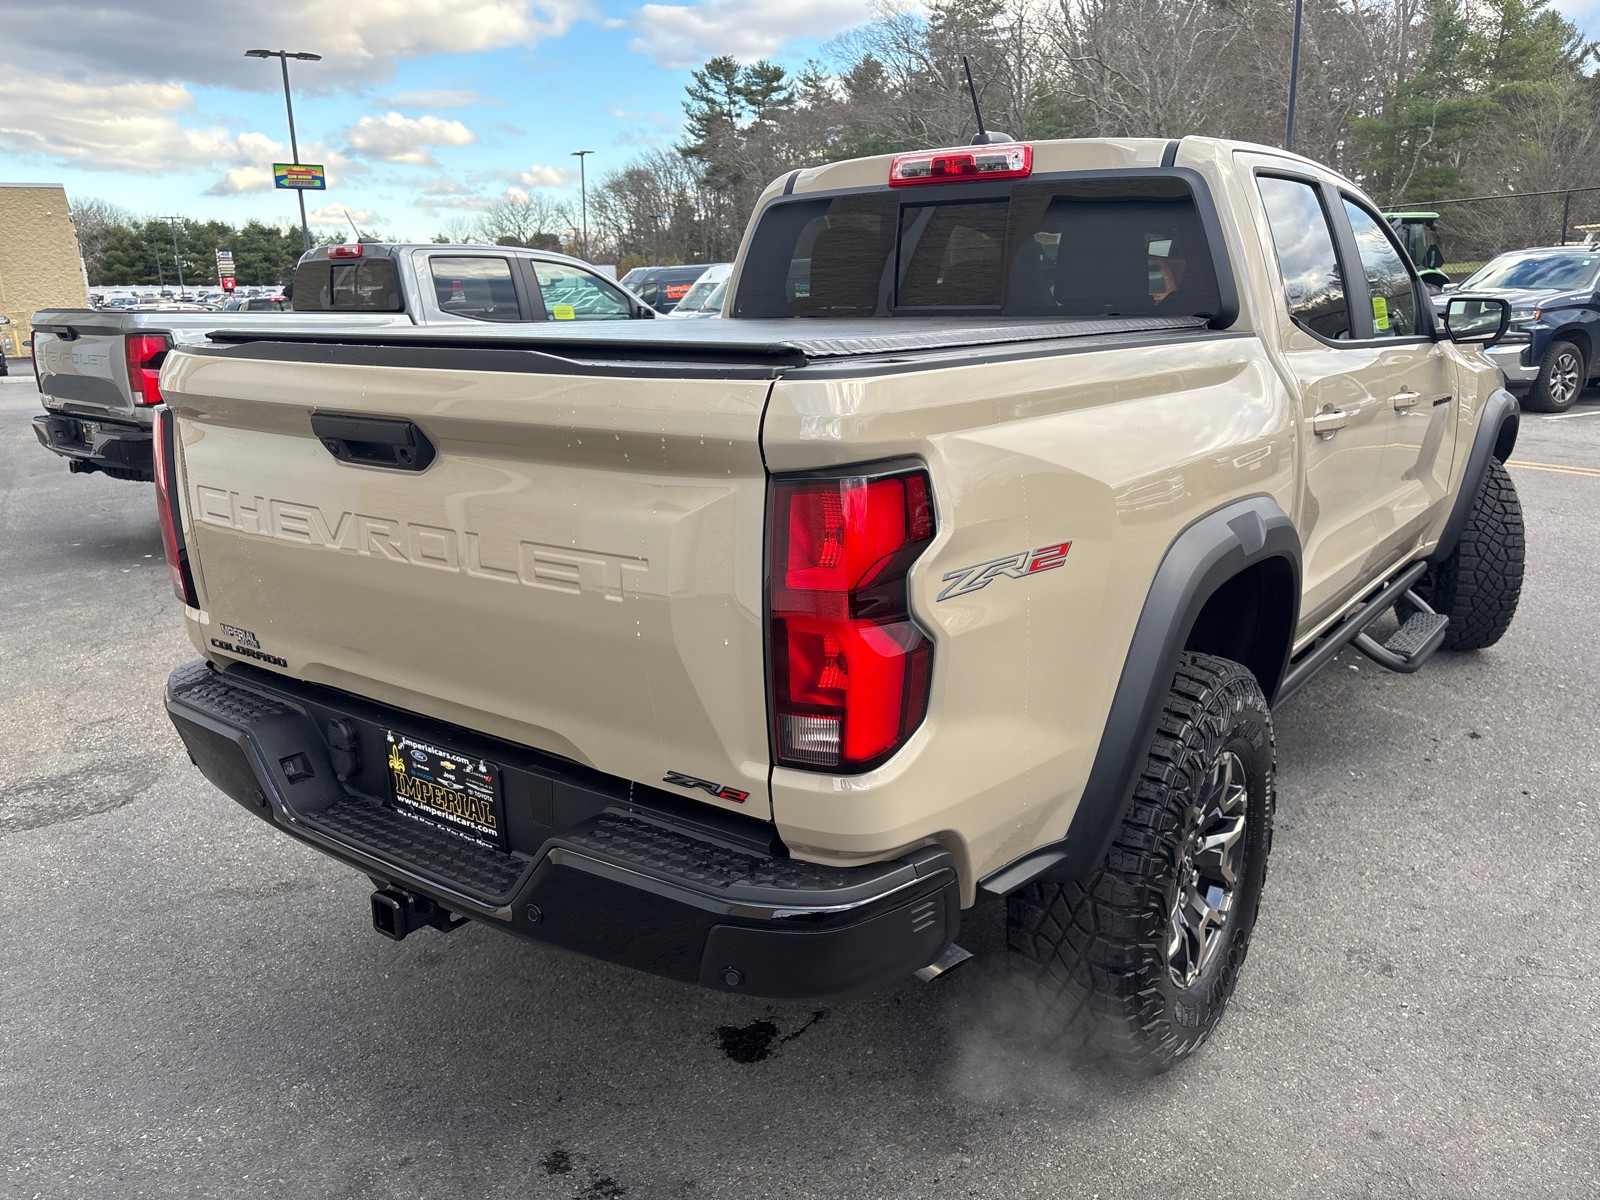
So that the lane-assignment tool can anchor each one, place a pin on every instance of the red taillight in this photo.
(1013, 160)
(165, 448)
(849, 666)
(146, 353)
(343, 251)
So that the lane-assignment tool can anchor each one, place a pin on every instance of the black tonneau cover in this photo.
(767, 343)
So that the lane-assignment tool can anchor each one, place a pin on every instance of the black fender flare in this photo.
(1203, 557)
(1496, 437)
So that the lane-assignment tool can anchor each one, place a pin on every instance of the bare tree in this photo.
(523, 218)
(93, 220)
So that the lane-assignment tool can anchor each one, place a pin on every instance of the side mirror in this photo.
(643, 312)
(1477, 320)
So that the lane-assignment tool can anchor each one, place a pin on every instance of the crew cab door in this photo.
(1412, 375)
(1345, 424)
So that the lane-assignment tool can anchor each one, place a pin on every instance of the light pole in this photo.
(1294, 77)
(283, 57)
(177, 261)
(583, 194)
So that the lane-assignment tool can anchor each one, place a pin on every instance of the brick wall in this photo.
(39, 263)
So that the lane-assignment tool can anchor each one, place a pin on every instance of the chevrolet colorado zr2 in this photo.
(968, 556)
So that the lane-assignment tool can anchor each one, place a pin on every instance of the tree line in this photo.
(1418, 100)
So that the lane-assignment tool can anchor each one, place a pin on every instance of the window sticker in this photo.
(1380, 313)
(562, 312)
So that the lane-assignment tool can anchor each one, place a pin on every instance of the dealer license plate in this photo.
(455, 791)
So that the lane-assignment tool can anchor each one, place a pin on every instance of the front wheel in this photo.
(1479, 585)
(1136, 962)
(1563, 374)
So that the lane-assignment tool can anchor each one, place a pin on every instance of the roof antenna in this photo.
(983, 138)
(352, 221)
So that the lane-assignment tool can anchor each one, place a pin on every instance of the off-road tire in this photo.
(1093, 953)
(1478, 586)
(1563, 374)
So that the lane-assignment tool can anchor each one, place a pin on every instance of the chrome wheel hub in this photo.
(1564, 381)
(1209, 863)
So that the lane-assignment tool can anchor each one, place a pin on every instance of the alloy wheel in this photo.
(1564, 382)
(1208, 870)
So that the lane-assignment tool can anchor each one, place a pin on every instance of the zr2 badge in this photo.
(1014, 566)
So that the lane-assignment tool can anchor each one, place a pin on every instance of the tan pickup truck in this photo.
(967, 557)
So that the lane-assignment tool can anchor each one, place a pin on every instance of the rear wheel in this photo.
(1479, 585)
(1563, 374)
(1136, 962)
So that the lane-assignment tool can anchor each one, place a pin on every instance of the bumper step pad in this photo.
(433, 853)
(1412, 644)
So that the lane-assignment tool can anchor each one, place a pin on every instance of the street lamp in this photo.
(173, 221)
(283, 57)
(583, 193)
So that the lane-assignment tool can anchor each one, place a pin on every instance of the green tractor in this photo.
(1419, 234)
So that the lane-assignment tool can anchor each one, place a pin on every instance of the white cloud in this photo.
(335, 214)
(461, 203)
(537, 176)
(360, 40)
(397, 139)
(136, 127)
(440, 98)
(445, 186)
(676, 36)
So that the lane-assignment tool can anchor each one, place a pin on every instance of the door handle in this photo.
(1404, 399)
(1329, 420)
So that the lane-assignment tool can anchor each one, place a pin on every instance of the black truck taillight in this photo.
(849, 668)
(166, 464)
(146, 353)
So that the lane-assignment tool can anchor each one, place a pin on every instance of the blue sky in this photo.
(424, 111)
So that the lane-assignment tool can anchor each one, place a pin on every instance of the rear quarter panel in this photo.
(1116, 451)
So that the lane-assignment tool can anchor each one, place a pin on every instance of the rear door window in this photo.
(1313, 283)
(1109, 247)
(477, 287)
(574, 295)
(1389, 282)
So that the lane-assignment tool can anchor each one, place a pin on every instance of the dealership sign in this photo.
(299, 175)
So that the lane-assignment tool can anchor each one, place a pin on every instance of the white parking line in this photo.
(1593, 412)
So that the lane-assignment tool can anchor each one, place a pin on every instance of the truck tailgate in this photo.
(578, 569)
(82, 364)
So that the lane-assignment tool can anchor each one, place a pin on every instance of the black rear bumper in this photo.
(598, 865)
(123, 450)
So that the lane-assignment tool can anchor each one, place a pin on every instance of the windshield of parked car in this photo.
(1537, 272)
(697, 297)
(1131, 246)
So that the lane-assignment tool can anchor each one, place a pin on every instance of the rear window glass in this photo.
(362, 285)
(479, 288)
(1120, 247)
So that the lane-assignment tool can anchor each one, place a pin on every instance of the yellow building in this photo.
(40, 266)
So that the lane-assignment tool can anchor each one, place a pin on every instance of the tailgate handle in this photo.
(65, 332)
(373, 441)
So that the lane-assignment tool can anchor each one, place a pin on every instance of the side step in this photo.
(1412, 644)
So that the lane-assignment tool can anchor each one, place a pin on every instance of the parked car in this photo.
(98, 369)
(663, 287)
(705, 298)
(274, 304)
(1548, 357)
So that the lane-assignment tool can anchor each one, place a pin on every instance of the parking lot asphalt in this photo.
(193, 1006)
